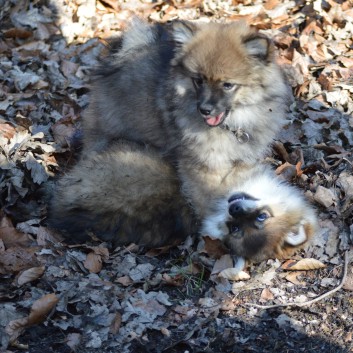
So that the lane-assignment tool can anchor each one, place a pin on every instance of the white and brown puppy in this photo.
(261, 218)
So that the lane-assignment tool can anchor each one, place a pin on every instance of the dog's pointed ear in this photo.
(182, 31)
(258, 46)
(297, 238)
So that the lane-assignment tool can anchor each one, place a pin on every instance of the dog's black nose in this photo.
(242, 207)
(205, 111)
(236, 209)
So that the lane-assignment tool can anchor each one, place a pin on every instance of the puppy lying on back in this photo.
(261, 217)
(179, 116)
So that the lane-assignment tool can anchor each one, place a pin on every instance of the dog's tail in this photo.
(138, 34)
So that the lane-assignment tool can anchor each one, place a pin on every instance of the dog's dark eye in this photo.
(233, 228)
(228, 86)
(262, 217)
(198, 81)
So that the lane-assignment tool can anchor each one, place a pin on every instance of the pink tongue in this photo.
(214, 120)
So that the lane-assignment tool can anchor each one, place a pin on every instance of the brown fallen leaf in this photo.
(93, 262)
(287, 264)
(221, 264)
(304, 264)
(347, 62)
(15, 328)
(7, 131)
(281, 151)
(17, 33)
(348, 337)
(208, 303)
(101, 251)
(29, 275)
(16, 259)
(41, 308)
(176, 281)
(229, 304)
(125, 281)
(161, 250)
(271, 4)
(287, 170)
(10, 235)
(39, 311)
(298, 168)
(233, 274)
(115, 325)
(46, 236)
(266, 295)
(185, 311)
(214, 247)
(325, 197)
(292, 277)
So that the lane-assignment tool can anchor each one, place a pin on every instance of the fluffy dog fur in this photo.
(125, 194)
(178, 112)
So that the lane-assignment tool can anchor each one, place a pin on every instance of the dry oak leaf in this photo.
(161, 250)
(233, 274)
(100, 250)
(16, 259)
(125, 281)
(208, 303)
(266, 295)
(214, 247)
(324, 196)
(15, 327)
(222, 263)
(185, 311)
(29, 275)
(41, 308)
(293, 278)
(17, 33)
(7, 131)
(46, 236)
(287, 170)
(10, 235)
(177, 280)
(93, 262)
(116, 323)
(302, 265)
(39, 311)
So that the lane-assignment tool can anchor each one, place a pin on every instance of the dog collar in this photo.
(240, 134)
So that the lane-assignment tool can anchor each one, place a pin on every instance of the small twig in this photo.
(309, 302)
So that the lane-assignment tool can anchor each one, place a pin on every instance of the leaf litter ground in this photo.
(88, 298)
